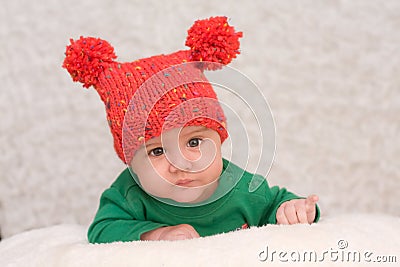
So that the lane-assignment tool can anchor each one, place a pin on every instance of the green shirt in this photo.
(126, 211)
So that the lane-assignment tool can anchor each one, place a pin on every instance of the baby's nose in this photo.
(178, 161)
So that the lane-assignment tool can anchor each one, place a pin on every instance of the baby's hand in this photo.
(297, 211)
(177, 232)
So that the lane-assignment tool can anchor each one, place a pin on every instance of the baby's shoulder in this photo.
(246, 181)
(253, 183)
(125, 183)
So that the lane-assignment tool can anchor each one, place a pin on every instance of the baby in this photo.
(168, 127)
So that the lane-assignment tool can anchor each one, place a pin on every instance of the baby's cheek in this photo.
(207, 156)
(153, 180)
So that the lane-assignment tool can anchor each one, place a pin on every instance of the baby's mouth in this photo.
(184, 182)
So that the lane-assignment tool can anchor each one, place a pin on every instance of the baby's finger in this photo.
(194, 234)
(189, 230)
(311, 207)
(290, 213)
(310, 202)
(301, 213)
(280, 215)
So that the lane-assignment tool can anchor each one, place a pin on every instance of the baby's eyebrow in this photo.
(157, 144)
(195, 131)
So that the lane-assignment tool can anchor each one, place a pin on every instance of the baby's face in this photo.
(182, 164)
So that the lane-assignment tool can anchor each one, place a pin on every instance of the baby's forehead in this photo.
(182, 132)
(194, 129)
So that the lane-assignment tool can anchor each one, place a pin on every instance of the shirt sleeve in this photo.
(117, 221)
(276, 196)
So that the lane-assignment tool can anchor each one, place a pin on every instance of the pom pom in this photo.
(84, 59)
(213, 40)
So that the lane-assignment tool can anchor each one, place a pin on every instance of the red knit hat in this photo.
(150, 95)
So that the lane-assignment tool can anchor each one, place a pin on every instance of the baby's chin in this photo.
(191, 195)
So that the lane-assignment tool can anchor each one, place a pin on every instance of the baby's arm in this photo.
(116, 220)
(282, 203)
(297, 211)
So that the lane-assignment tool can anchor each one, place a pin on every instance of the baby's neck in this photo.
(207, 193)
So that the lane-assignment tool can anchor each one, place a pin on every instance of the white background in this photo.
(329, 69)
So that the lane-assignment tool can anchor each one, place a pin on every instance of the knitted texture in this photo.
(150, 95)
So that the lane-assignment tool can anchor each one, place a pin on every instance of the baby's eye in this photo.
(194, 142)
(158, 151)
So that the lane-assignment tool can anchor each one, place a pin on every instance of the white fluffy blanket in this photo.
(355, 240)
